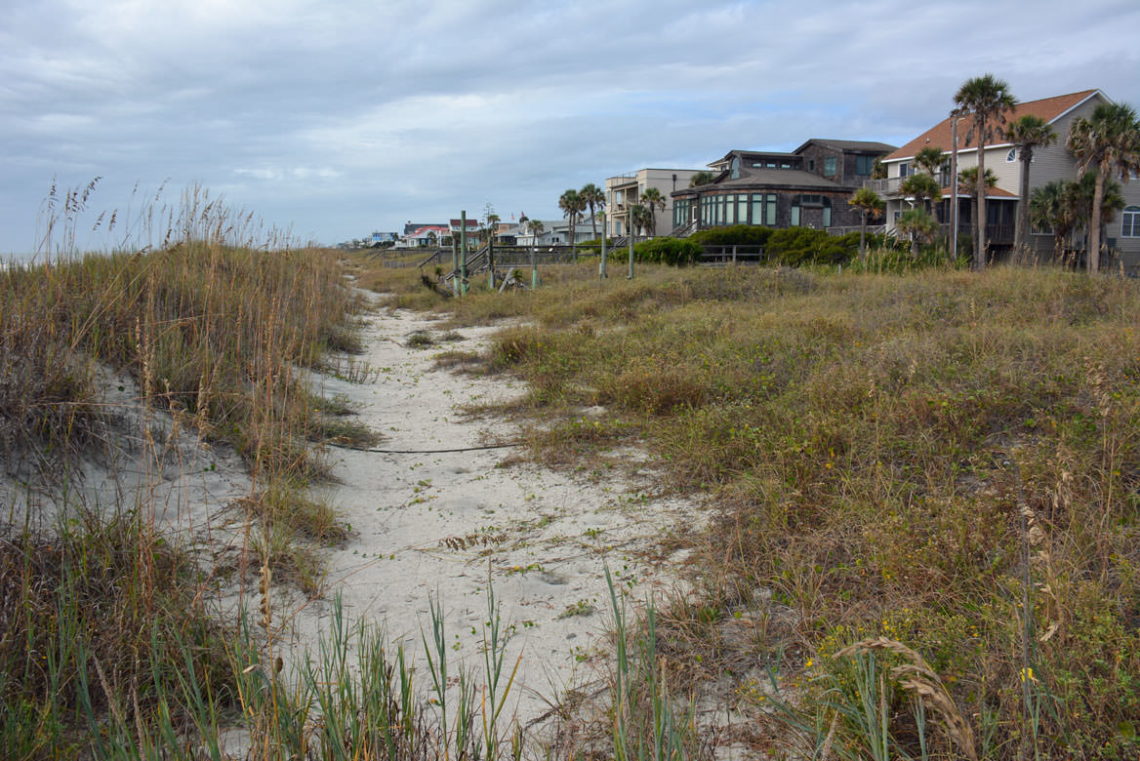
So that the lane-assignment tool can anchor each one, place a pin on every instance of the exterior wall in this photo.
(619, 191)
(813, 161)
(842, 214)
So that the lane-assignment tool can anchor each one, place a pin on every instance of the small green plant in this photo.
(579, 608)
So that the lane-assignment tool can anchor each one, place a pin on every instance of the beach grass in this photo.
(947, 460)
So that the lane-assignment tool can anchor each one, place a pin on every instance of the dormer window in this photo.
(734, 168)
(1011, 156)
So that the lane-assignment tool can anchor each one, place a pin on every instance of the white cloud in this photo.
(346, 116)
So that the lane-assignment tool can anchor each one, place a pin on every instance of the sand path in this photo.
(435, 525)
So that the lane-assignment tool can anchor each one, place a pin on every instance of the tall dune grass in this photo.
(101, 615)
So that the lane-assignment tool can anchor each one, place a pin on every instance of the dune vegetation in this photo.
(927, 490)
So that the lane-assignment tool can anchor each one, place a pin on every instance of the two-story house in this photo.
(1049, 163)
(808, 187)
(624, 191)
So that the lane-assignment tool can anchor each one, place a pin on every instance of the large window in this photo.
(1130, 222)
(830, 164)
(864, 165)
(763, 209)
(681, 212)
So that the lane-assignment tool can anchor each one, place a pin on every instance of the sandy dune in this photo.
(440, 524)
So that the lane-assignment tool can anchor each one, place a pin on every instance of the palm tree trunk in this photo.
(980, 190)
(1094, 218)
(1021, 234)
(593, 223)
(863, 237)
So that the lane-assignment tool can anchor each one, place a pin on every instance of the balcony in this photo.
(889, 187)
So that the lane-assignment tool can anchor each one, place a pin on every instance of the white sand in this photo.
(424, 525)
(436, 524)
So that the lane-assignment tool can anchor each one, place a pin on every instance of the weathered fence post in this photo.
(491, 257)
(463, 253)
(602, 266)
(454, 265)
(630, 275)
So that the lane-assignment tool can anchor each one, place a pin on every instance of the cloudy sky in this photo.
(330, 119)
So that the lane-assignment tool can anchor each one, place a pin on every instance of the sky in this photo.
(329, 119)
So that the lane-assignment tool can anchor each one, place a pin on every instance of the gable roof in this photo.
(869, 146)
(1049, 109)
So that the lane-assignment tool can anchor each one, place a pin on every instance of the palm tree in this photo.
(923, 187)
(930, 159)
(1107, 143)
(919, 225)
(986, 99)
(571, 205)
(653, 200)
(1055, 206)
(594, 198)
(1025, 134)
(641, 218)
(968, 179)
(701, 178)
(867, 202)
(535, 228)
(489, 225)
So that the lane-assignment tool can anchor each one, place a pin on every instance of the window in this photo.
(735, 168)
(730, 210)
(864, 165)
(1130, 222)
(795, 214)
(742, 209)
(764, 209)
(1011, 156)
(811, 165)
(904, 169)
(829, 166)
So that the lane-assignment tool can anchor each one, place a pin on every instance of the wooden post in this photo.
(463, 253)
(491, 258)
(733, 254)
(602, 266)
(954, 188)
(630, 231)
(454, 266)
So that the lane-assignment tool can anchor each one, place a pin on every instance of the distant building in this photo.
(420, 236)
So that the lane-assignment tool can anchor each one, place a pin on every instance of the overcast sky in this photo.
(333, 119)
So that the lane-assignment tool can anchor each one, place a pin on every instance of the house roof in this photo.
(413, 226)
(939, 135)
(868, 146)
(456, 223)
(422, 231)
(993, 192)
(766, 178)
(748, 153)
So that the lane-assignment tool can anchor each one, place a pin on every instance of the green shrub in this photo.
(737, 235)
(676, 252)
(796, 246)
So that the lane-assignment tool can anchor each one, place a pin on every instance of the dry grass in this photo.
(922, 457)
(105, 619)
